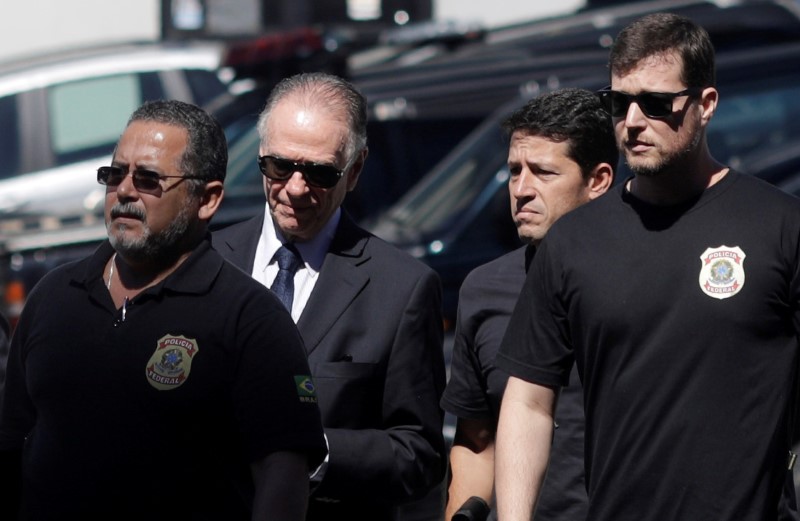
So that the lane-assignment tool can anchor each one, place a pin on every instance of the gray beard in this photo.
(149, 246)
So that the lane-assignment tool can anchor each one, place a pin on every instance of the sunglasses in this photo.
(654, 104)
(315, 174)
(145, 181)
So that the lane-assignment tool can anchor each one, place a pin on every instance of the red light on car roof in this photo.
(297, 43)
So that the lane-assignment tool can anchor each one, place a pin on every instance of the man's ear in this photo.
(210, 200)
(600, 179)
(708, 104)
(355, 170)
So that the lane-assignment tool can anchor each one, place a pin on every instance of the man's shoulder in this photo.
(510, 265)
(248, 227)
(386, 257)
(598, 216)
(238, 288)
(759, 190)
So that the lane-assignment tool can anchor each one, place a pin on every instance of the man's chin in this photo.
(644, 168)
(130, 249)
(529, 234)
(293, 233)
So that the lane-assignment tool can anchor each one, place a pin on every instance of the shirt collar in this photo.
(195, 275)
(313, 251)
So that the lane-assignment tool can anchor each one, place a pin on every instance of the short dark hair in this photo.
(572, 115)
(662, 33)
(327, 90)
(206, 154)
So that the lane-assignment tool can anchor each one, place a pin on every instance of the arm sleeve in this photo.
(273, 392)
(536, 346)
(465, 394)
(407, 450)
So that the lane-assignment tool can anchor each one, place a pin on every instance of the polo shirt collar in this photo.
(195, 275)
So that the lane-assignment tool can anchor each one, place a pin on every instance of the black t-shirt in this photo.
(476, 386)
(154, 413)
(683, 323)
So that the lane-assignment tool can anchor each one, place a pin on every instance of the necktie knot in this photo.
(288, 259)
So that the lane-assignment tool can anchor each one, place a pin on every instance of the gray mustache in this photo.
(127, 210)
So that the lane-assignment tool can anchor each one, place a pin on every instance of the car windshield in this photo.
(454, 184)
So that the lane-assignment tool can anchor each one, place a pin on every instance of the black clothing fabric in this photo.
(5, 334)
(476, 386)
(372, 328)
(154, 411)
(683, 323)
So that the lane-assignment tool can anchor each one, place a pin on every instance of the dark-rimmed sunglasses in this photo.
(145, 181)
(653, 104)
(315, 174)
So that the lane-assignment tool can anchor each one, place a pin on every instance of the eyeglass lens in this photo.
(653, 104)
(144, 181)
(279, 169)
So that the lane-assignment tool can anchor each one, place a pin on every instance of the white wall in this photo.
(30, 26)
(492, 13)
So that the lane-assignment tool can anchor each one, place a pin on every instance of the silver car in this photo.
(61, 114)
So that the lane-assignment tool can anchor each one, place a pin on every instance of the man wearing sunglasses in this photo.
(677, 295)
(369, 314)
(153, 380)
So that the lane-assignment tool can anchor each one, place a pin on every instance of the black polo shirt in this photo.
(154, 411)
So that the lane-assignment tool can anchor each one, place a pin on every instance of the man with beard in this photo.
(152, 380)
(679, 306)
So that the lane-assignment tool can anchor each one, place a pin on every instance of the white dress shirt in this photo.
(265, 268)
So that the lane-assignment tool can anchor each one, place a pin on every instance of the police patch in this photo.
(171, 362)
(305, 388)
(722, 271)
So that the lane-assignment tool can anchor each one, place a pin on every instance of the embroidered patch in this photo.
(171, 362)
(305, 388)
(722, 271)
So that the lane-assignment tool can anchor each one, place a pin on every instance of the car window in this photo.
(444, 195)
(205, 85)
(86, 117)
(754, 115)
(9, 144)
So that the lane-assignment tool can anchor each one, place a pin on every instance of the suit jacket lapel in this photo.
(242, 245)
(340, 281)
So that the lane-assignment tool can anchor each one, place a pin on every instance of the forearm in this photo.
(472, 474)
(281, 487)
(524, 437)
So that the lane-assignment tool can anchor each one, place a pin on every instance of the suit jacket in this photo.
(372, 328)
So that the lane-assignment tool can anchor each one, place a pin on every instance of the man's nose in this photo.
(634, 117)
(296, 184)
(126, 189)
(524, 185)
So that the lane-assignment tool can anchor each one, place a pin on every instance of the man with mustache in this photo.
(677, 295)
(152, 380)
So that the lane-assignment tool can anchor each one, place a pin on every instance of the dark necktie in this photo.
(288, 261)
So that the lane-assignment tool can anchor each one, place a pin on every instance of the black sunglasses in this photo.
(145, 181)
(653, 104)
(315, 174)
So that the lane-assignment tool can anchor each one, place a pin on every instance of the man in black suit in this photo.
(369, 314)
